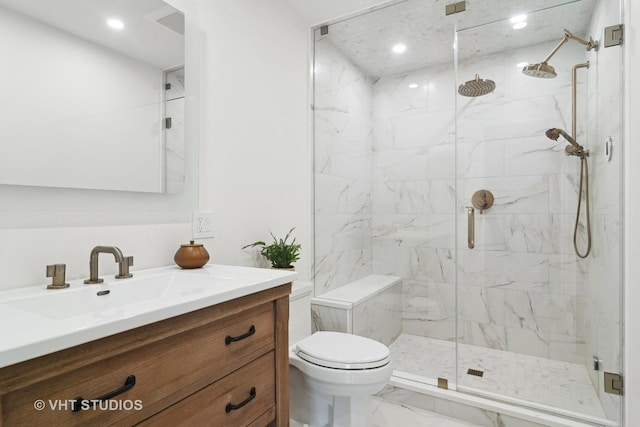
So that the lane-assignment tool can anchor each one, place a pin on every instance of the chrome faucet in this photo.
(123, 263)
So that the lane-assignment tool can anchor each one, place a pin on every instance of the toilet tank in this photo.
(300, 311)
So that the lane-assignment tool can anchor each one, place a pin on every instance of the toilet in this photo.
(332, 374)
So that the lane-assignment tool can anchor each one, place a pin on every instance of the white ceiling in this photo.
(422, 26)
(316, 12)
(142, 37)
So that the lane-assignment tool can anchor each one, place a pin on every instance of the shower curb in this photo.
(479, 410)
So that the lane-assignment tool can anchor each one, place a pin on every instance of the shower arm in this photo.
(568, 36)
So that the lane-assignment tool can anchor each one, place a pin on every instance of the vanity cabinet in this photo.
(224, 365)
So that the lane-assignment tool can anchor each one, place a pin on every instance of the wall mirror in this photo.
(87, 99)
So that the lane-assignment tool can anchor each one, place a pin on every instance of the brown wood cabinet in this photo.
(224, 365)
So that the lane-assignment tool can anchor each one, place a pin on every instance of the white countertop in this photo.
(36, 321)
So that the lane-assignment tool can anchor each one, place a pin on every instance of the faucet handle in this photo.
(57, 272)
(123, 268)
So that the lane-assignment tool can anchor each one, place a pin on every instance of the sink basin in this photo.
(112, 298)
(44, 321)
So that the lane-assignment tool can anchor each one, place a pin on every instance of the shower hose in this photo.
(584, 172)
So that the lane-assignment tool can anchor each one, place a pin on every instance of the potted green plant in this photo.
(281, 253)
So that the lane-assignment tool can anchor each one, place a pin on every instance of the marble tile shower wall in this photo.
(521, 288)
(414, 195)
(342, 169)
(602, 308)
(386, 199)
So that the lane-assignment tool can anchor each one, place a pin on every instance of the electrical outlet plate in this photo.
(202, 224)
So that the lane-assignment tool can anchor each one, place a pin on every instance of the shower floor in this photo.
(562, 385)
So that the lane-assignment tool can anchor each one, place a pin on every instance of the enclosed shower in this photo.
(414, 113)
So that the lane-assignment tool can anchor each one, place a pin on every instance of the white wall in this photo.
(254, 164)
(254, 160)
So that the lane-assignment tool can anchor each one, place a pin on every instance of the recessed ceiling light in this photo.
(399, 48)
(519, 25)
(518, 18)
(522, 64)
(116, 24)
(413, 85)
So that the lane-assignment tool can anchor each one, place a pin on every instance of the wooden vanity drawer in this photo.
(208, 407)
(166, 371)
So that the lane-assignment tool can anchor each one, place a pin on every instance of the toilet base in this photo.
(314, 408)
(350, 411)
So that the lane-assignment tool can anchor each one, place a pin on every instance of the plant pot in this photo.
(292, 268)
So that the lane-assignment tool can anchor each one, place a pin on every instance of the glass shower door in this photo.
(532, 315)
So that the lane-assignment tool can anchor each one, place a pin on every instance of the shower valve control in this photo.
(482, 200)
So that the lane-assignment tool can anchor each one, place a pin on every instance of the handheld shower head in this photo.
(555, 133)
(574, 149)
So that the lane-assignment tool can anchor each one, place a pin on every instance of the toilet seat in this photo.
(338, 350)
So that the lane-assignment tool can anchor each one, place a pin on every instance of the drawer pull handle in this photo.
(229, 339)
(81, 403)
(231, 407)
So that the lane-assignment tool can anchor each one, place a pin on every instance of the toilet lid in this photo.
(342, 351)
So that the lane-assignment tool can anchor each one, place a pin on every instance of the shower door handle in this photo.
(470, 228)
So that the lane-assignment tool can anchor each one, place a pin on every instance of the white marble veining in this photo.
(522, 269)
(370, 307)
(522, 289)
(384, 413)
(563, 385)
(387, 414)
(325, 318)
(428, 33)
(380, 318)
(342, 169)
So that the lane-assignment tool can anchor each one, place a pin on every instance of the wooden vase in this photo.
(191, 255)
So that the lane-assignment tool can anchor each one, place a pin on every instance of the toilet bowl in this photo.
(332, 376)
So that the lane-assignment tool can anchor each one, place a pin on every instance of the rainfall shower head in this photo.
(477, 87)
(543, 69)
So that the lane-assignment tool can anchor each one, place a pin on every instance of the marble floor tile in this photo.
(389, 414)
(536, 379)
